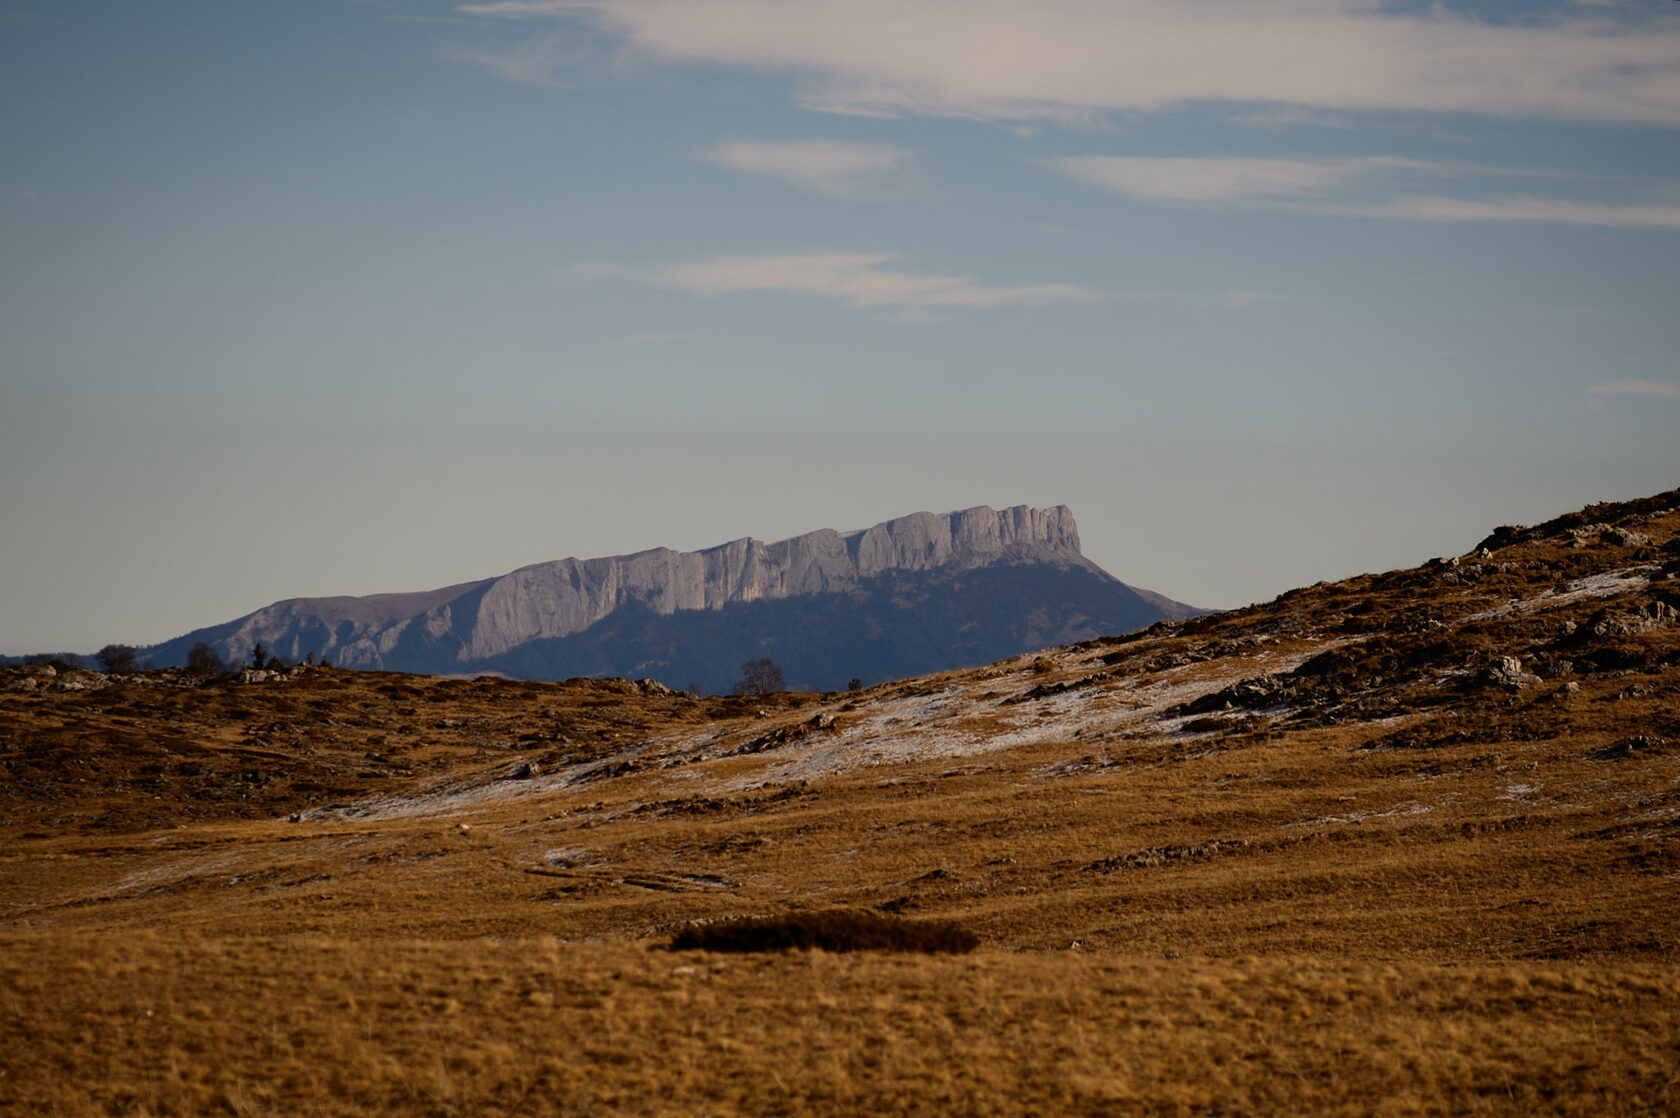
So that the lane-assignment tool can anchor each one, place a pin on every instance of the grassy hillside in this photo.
(1408, 843)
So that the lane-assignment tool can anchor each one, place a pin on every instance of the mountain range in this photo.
(925, 592)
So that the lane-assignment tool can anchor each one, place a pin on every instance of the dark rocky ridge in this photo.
(922, 593)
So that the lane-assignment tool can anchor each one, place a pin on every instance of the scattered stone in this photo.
(1627, 747)
(1161, 855)
(1508, 671)
(1607, 533)
(1247, 694)
(1413, 624)
(1649, 618)
(1624, 537)
(777, 737)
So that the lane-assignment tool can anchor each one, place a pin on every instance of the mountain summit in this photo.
(924, 592)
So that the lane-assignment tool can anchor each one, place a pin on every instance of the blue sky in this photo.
(345, 297)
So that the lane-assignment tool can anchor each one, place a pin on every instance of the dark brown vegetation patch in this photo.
(832, 930)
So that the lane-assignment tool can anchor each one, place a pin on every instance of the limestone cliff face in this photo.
(560, 598)
(460, 626)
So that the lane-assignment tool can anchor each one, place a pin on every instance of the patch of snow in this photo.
(1607, 584)
(961, 720)
(1360, 816)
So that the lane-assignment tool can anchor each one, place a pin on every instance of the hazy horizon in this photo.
(367, 296)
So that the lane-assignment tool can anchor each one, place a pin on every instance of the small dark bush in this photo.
(57, 661)
(834, 930)
(202, 660)
(117, 658)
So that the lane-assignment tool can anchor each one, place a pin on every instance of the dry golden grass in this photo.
(160, 1024)
(1379, 882)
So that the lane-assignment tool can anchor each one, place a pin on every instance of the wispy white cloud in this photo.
(873, 281)
(537, 61)
(1364, 186)
(1290, 116)
(1562, 211)
(1233, 179)
(859, 171)
(1076, 60)
(865, 280)
(860, 279)
(1655, 389)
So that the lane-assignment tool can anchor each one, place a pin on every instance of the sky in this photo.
(351, 296)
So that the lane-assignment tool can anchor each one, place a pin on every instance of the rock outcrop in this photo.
(568, 596)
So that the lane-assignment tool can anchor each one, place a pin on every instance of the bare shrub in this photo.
(116, 658)
(204, 660)
(831, 930)
(760, 677)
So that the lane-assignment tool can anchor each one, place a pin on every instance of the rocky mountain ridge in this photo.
(553, 607)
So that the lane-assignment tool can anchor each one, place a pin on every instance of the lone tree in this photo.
(204, 660)
(116, 658)
(259, 656)
(760, 677)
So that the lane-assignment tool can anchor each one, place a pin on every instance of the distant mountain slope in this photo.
(922, 593)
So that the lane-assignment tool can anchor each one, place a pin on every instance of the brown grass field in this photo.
(1331, 854)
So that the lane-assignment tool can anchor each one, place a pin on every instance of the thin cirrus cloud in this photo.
(1360, 186)
(1074, 61)
(1223, 180)
(1650, 389)
(536, 61)
(837, 168)
(862, 280)
(858, 279)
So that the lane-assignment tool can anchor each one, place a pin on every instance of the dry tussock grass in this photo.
(157, 1025)
(1309, 856)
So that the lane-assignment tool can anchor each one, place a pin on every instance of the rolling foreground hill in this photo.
(921, 593)
(1403, 844)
